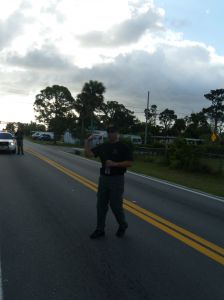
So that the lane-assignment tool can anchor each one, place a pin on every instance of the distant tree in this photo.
(199, 120)
(197, 125)
(68, 123)
(11, 127)
(152, 115)
(89, 101)
(33, 126)
(216, 111)
(53, 106)
(138, 128)
(167, 118)
(21, 126)
(179, 126)
(26, 127)
(116, 113)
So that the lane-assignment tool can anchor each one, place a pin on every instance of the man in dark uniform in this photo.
(19, 141)
(115, 157)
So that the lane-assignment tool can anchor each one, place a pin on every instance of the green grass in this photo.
(213, 184)
(209, 183)
(51, 143)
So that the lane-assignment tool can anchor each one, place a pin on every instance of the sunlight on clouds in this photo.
(15, 108)
(86, 59)
(45, 48)
(78, 17)
(83, 16)
(8, 7)
(216, 59)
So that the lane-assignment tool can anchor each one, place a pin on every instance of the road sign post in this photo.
(146, 119)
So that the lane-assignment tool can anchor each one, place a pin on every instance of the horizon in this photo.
(131, 47)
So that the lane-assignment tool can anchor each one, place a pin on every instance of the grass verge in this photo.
(51, 143)
(212, 184)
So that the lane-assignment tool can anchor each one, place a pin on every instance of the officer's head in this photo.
(112, 133)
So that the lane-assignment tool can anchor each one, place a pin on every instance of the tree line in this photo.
(58, 110)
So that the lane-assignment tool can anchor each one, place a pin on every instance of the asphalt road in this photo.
(174, 247)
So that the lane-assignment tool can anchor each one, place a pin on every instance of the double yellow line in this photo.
(194, 241)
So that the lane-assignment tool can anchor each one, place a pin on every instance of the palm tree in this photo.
(89, 101)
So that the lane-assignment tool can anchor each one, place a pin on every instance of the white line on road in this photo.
(161, 181)
(177, 186)
(1, 287)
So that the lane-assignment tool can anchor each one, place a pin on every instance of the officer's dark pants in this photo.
(19, 147)
(110, 191)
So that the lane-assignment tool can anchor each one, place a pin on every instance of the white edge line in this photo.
(1, 287)
(220, 199)
(178, 186)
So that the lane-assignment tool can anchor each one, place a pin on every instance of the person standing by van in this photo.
(115, 157)
(19, 141)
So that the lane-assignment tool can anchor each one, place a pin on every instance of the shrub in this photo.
(127, 142)
(183, 156)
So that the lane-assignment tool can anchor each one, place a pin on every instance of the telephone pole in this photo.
(147, 112)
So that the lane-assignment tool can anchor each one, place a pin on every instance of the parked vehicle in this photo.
(38, 134)
(99, 137)
(135, 139)
(44, 137)
(7, 142)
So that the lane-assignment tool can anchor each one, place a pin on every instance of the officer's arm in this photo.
(120, 164)
(87, 146)
(124, 164)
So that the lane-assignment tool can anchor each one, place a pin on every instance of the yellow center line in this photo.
(66, 171)
(213, 255)
(209, 249)
(177, 228)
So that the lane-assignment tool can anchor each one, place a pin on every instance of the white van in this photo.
(135, 139)
(99, 137)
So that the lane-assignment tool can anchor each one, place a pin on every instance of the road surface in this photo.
(174, 247)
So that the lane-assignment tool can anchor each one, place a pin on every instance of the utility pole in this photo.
(147, 112)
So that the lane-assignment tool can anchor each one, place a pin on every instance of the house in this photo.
(69, 139)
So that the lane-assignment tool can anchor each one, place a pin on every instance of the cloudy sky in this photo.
(173, 48)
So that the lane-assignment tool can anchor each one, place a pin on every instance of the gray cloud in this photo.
(52, 9)
(177, 76)
(34, 71)
(45, 58)
(127, 32)
(11, 28)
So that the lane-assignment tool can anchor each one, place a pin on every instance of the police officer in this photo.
(19, 141)
(115, 157)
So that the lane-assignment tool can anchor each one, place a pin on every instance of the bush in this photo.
(152, 145)
(213, 149)
(127, 142)
(175, 164)
(183, 156)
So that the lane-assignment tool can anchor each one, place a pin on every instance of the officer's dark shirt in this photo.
(116, 152)
(19, 135)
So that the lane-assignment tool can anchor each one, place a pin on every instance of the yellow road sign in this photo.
(213, 137)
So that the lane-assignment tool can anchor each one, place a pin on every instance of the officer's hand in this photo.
(110, 163)
(89, 139)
